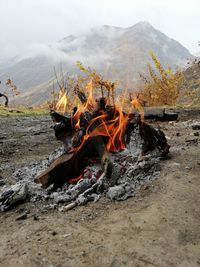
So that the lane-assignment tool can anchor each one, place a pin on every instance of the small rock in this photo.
(15, 194)
(66, 235)
(191, 140)
(37, 133)
(175, 164)
(62, 198)
(81, 200)
(188, 168)
(116, 172)
(54, 233)
(196, 127)
(93, 197)
(83, 253)
(22, 217)
(2, 182)
(116, 192)
(35, 217)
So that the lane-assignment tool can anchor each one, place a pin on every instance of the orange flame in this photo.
(137, 105)
(90, 100)
(112, 126)
(88, 106)
(62, 103)
(114, 129)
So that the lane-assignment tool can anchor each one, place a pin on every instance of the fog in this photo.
(31, 25)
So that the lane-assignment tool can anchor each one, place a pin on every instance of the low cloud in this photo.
(68, 50)
(23, 23)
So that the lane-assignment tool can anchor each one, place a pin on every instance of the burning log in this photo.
(46, 178)
(66, 168)
(91, 131)
(103, 155)
(69, 167)
(95, 129)
(57, 117)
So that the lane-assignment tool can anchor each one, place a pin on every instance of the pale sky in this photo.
(24, 23)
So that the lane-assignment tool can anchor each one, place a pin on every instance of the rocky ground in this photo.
(158, 227)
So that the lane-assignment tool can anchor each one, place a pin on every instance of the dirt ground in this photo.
(158, 227)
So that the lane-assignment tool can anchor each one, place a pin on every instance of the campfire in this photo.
(92, 132)
(108, 149)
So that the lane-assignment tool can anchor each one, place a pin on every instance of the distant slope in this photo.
(117, 53)
(192, 77)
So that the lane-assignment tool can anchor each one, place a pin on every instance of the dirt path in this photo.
(159, 227)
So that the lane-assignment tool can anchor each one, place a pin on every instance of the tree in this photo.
(162, 86)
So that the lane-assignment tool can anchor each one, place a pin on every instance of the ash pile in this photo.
(117, 178)
(130, 169)
(106, 152)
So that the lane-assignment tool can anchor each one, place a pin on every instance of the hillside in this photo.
(192, 77)
(117, 53)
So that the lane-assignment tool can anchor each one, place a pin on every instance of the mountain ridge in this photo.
(117, 53)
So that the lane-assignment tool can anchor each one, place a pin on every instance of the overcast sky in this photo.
(24, 23)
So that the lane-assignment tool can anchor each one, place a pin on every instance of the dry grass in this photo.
(21, 111)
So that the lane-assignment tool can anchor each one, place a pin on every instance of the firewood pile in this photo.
(108, 150)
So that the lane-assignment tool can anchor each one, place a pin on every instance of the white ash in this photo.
(130, 171)
(30, 171)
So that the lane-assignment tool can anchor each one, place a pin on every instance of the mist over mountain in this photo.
(116, 53)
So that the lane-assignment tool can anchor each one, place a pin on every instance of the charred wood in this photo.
(81, 95)
(99, 144)
(57, 117)
(69, 166)
(153, 138)
(160, 114)
(6, 98)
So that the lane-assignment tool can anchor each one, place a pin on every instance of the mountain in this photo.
(192, 77)
(117, 53)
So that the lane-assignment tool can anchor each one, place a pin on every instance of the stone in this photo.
(196, 127)
(191, 140)
(22, 217)
(13, 195)
(2, 182)
(62, 198)
(115, 192)
(54, 233)
(116, 172)
(81, 200)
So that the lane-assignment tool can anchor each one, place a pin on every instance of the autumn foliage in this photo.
(72, 89)
(161, 86)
